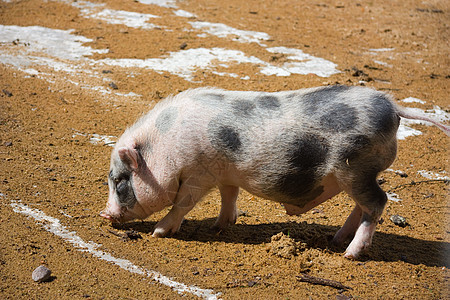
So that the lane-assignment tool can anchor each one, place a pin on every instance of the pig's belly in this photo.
(324, 190)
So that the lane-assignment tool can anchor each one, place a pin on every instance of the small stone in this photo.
(7, 93)
(41, 274)
(398, 220)
(343, 297)
(251, 283)
(183, 46)
(242, 213)
(132, 235)
(401, 173)
(113, 86)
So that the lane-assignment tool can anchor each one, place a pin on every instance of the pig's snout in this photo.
(105, 214)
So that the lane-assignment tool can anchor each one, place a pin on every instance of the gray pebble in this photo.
(41, 274)
(113, 86)
(398, 220)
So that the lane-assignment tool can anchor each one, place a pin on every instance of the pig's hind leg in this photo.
(350, 226)
(228, 211)
(370, 201)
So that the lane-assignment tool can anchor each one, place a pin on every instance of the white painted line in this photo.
(54, 226)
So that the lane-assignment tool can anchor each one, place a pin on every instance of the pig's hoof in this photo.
(337, 242)
(216, 229)
(161, 232)
(157, 234)
(221, 226)
(350, 256)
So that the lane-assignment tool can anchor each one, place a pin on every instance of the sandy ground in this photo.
(57, 108)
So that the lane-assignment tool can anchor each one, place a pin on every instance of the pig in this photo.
(298, 148)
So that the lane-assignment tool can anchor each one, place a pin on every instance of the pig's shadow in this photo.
(386, 247)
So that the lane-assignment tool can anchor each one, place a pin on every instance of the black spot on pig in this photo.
(166, 119)
(305, 156)
(228, 139)
(243, 108)
(122, 184)
(356, 145)
(383, 116)
(339, 118)
(316, 100)
(369, 194)
(268, 102)
(225, 139)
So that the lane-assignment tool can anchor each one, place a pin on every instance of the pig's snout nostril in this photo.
(105, 215)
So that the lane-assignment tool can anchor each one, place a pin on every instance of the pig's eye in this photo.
(122, 187)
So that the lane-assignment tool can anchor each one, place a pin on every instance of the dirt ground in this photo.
(49, 162)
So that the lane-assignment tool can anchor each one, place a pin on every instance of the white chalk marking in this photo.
(382, 63)
(64, 214)
(162, 3)
(436, 113)
(434, 176)
(53, 42)
(301, 63)
(184, 14)
(54, 226)
(52, 48)
(378, 50)
(412, 100)
(103, 139)
(224, 31)
(186, 62)
(399, 172)
(111, 16)
(130, 19)
(406, 131)
(96, 139)
(393, 197)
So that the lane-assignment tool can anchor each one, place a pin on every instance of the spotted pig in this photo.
(298, 148)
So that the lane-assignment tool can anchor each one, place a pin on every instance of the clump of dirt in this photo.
(284, 246)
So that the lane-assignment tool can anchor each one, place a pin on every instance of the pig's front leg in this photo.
(187, 197)
(228, 211)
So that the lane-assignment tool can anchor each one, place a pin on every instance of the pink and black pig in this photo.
(298, 148)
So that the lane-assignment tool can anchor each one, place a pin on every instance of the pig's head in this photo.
(133, 191)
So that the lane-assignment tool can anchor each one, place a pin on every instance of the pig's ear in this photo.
(129, 156)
